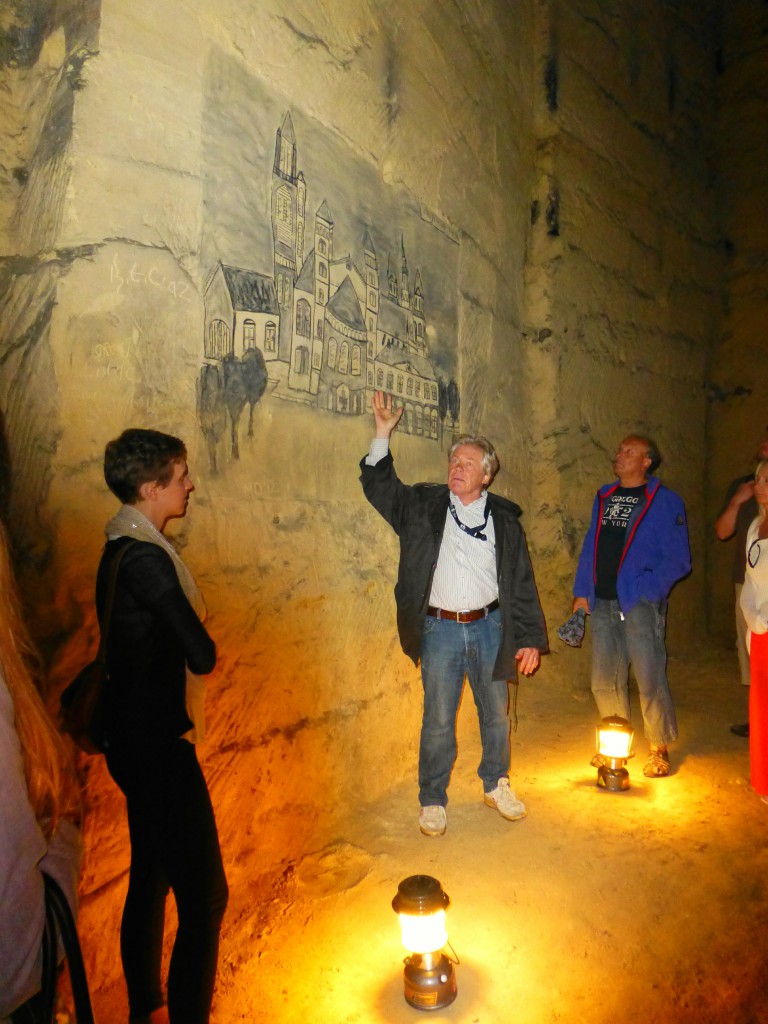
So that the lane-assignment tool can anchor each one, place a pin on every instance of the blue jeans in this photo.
(636, 639)
(449, 651)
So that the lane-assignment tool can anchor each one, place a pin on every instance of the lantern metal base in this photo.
(614, 779)
(430, 981)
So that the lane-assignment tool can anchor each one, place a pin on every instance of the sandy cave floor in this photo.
(597, 908)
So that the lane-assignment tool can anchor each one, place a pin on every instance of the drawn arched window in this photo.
(370, 350)
(408, 417)
(399, 383)
(342, 398)
(322, 269)
(332, 347)
(280, 289)
(418, 388)
(319, 328)
(283, 215)
(370, 323)
(356, 360)
(320, 295)
(218, 341)
(390, 381)
(370, 378)
(419, 419)
(409, 386)
(344, 357)
(317, 359)
(270, 336)
(321, 246)
(434, 423)
(303, 319)
(419, 329)
(249, 334)
(301, 359)
(379, 378)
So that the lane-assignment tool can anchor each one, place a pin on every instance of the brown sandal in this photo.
(657, 765)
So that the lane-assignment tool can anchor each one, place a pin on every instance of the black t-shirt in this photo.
(618, 506)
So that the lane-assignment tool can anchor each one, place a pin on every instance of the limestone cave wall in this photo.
(559, 154)
(628, 262)
(737, 386)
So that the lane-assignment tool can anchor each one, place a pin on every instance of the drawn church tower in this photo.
(420, 339)
(371, 294)
(289, 197)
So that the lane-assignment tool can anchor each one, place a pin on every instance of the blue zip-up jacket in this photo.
(656, 552)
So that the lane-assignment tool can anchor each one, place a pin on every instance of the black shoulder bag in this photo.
(81, 712)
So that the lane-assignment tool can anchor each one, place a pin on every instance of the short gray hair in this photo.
(491, 463)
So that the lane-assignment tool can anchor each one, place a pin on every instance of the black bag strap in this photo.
(59, 920)
(101, 654)
(59, 924)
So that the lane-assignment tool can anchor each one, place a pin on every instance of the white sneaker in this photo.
(505, 801)
(433, 820)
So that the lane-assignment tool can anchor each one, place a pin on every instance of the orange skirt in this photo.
(758, 712)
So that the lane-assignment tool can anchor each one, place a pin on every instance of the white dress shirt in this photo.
(465, 576)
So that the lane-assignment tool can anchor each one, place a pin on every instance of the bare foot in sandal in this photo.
(657, 764)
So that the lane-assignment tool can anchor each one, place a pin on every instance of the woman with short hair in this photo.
(156, 647)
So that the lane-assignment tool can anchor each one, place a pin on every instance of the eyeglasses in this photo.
(753, 559)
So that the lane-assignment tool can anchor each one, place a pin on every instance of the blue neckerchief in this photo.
(473, 531)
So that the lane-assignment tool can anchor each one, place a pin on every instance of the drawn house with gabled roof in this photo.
(330, 334)
(241, 312)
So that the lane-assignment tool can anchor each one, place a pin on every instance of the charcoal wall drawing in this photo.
(323, 282)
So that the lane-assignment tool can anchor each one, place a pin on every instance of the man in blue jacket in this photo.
(635, 550)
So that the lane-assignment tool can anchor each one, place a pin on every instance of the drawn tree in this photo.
(442, 405)
(211, 410)
(234, 397)
(254, 371)
(454, 401)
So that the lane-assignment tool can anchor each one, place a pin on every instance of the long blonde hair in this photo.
(48, 760)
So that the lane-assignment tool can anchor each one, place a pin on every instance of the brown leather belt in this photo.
(473, 616)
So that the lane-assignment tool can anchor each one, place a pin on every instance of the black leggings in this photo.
(174, 844)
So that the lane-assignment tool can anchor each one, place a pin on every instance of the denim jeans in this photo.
(636, 639)
(449, 651)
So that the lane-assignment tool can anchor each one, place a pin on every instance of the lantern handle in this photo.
(455, 958)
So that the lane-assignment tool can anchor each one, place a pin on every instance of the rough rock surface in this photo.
(611, 277)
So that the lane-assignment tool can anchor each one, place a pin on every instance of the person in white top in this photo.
(466, 605)
(39, 810)
(754, 604)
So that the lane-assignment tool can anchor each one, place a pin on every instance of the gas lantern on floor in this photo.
(614, 749)
(429, 978)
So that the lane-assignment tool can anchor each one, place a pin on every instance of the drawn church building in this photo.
(328, 333)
